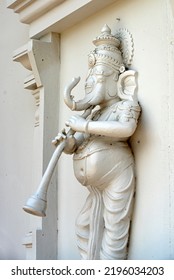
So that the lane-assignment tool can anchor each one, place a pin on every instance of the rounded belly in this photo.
(97, 166)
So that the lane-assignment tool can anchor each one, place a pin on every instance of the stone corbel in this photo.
(41, 58)
(25, 55)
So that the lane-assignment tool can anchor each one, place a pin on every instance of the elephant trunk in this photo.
(68, 98)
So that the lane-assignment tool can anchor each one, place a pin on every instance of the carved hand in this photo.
(70, 141)
(77, 123)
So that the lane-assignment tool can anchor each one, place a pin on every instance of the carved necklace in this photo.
(105, 112)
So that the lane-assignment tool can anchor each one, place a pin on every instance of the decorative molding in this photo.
(28, 240)
(23, 55)
(31, 10)
(36, 94)
(30, 83)
(54, 15)
(32, 241)
(19, 5)
(32, 56)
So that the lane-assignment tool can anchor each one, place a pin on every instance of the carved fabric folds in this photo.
(102, 226)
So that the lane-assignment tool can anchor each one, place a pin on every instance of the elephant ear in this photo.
(127, 86)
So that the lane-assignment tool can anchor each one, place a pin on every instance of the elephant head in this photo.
(100, 86)
(107, 77)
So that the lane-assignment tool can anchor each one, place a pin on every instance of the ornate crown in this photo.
(111, 51)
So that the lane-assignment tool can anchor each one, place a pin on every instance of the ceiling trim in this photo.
(54, 15)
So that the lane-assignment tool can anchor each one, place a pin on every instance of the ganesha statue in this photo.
(102, 158)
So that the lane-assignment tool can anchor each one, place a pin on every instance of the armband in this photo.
(86, 126)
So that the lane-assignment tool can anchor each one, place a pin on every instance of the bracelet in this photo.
(86, 126)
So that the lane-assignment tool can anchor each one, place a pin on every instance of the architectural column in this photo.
(41, 57)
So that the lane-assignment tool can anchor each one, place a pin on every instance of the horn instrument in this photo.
(37, 203)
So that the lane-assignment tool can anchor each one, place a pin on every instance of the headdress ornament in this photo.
(109, 51)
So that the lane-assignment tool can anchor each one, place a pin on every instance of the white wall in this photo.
(17, 109)
(148, 21)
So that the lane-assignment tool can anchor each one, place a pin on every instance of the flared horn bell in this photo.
(36, 205)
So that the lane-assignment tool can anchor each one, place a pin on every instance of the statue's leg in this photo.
(96, 225)
(82, 227)
(117, 199)
(90, 225)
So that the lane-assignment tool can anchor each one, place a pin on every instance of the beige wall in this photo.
(149, 22)
(16, 129)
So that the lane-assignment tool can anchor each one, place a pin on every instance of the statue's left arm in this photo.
(124, 126)
(106, 128)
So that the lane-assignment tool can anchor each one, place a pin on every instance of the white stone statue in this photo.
(103, 160)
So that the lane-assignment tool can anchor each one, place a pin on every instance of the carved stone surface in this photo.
(103, 160)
